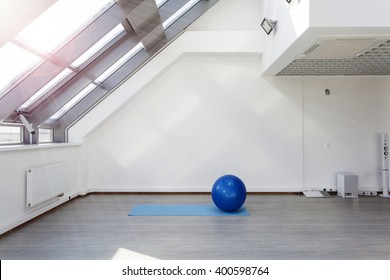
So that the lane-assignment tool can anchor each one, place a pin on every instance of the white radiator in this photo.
(45, 183)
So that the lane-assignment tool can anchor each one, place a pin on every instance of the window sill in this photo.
(21, 147)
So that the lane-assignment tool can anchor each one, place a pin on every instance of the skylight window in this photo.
(14, 62)
(120, 62)
(60, 22)
(100, 79)
(98, 46)
(65, 73)
(179, 13)
(73, 101)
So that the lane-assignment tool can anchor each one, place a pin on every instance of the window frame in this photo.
(21, 134)
(51, 135)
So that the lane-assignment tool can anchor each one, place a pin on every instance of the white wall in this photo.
(342, 130)
(206, 116)
(13, 166)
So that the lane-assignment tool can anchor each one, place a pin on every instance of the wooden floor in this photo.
(280, 227)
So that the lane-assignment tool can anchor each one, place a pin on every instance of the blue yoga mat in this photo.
(183, 210)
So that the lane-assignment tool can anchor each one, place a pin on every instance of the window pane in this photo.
(14, 62)
(179, 13)
(45, 135)
(73, 101)
(46, 88)
(10, 135)
(98, 46)
(120, 62)
(60, 21)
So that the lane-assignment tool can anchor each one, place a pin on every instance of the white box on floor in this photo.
(347, 185)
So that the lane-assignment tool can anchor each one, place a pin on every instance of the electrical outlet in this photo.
(368, 193)
(329, 189)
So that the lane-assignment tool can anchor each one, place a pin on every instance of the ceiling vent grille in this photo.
(358, 61)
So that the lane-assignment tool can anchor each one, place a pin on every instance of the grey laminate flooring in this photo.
(279, 227)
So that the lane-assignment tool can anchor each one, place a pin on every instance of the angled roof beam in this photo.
(144, 18)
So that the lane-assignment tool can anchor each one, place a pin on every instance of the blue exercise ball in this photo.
(228, 193)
